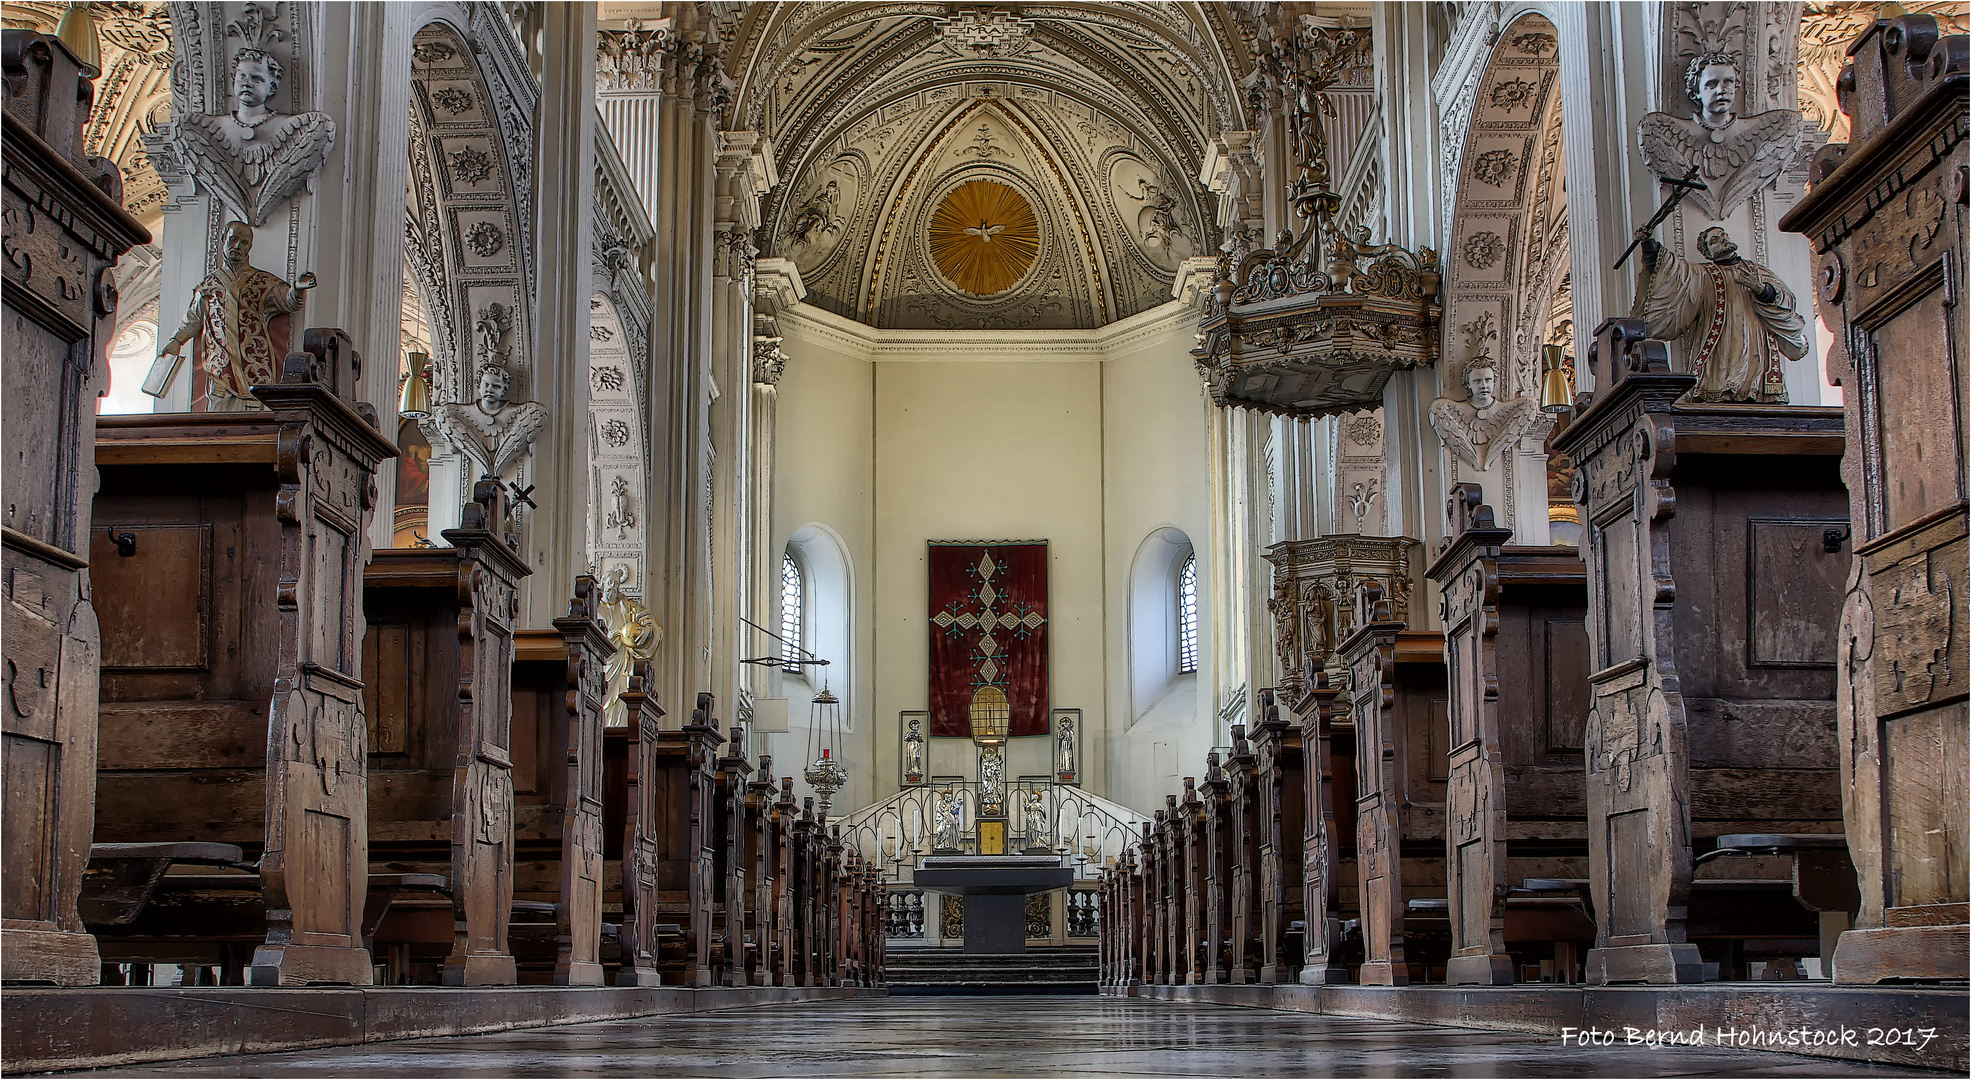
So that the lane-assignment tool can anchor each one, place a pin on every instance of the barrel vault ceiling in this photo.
(1073, 132)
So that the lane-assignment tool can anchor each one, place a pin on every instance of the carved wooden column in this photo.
(1282, 804)
(1467, 573)
(640, 850)
(578, 914)
(1143, 907)
(1887, 218)
(1190, 839)
(761, 847)
(1370, 656)
(482, 780)
(1320, 858)
(1218, 884)
(785, 968)
(317, 854)
(1243, 774)
(65, 229)
(733, 773)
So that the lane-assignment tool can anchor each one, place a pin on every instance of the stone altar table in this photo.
(995, 888)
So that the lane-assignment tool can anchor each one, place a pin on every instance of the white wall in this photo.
(1090, 440)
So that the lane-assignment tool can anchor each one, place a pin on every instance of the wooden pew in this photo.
(1515, 649)
(558, 686)
(1887, 219)
(233, 648)
(1704, 527)
(1242, 774)
(687, 856)
(1328, 757)
(64, 218)
(1170, 909)
(642, 863)
(437, 664)
(1217, 812)
(1282, 805)
(807, 929)
(785, 853)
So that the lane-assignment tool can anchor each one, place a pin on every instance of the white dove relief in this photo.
(984, 231)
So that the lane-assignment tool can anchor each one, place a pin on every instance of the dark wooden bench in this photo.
(230, 591)
(438, 661)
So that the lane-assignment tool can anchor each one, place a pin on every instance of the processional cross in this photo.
(981, 613)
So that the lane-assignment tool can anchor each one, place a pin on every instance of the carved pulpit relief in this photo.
(253, 158)
(1731, 319)
(1483, 425)
(1735, 156)
(491, 431)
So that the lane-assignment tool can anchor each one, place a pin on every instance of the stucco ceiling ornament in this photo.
(1735, 156)
(1318, 324)
(254, 158)
(984, 32)
(983, 237)
(1483, 249)
(1495, 167)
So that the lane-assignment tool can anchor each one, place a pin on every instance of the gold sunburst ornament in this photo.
(984, 237)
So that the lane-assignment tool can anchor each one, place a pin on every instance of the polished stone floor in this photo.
(1004, 1037)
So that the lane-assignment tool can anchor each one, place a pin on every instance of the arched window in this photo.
(792, 612)
(1187, 616)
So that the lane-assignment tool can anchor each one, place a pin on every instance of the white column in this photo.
(564, 194)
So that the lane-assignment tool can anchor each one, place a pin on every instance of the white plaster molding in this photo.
(871, 345)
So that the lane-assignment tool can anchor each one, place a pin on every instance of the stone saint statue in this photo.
(229, 316)
(1066, 745)
(913, 753)
(1478, 428)
(253, 158)
(493, 432)
(1036, 811)
(1731, 318)
(945, 818)
(1735, 156)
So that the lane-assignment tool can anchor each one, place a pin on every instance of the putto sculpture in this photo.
(255, 157)
(1735, 156)
(491, 431)
(1733, 320)
(1480, 426)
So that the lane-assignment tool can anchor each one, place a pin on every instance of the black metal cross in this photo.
(522, 495)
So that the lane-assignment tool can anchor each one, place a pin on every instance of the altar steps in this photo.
(1052, 970)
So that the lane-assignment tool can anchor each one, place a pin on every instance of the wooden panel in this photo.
(391, 677)
(37, 496)
(1793, 607)
(155, 605)
(1924, 775)
(1567, 665)
(1921, 447)
(32, 782)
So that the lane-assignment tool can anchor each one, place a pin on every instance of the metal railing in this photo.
(1088, 830)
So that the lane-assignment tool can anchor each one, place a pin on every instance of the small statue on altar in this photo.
(1065, 745)
(1036, 812)
(946, 815)
(1482, 425)
(231, 316)
(1732, 320)
(913, 752)
(492, 431)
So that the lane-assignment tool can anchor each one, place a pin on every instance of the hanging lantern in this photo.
(825, 772)
(1556, 379)
(77, 30)
(414, 398)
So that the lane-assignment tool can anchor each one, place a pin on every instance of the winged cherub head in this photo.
(494, 384)
(1482, 382)
(1711, 80)
(256, 77)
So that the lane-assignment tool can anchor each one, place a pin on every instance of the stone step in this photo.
(1073, 970)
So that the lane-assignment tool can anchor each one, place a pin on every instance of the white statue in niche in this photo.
(1735, 156)
(254, 158)
(1065, 745)
(491, 431)
(913, 752)
(1733, 320)
(1478, 428)
(1036, 811)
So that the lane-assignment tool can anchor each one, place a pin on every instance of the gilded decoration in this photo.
(983, 237)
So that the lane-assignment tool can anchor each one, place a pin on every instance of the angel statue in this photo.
(1735, 156)
(232, 317)
(493, 432)
(1478, 428)
(253, 158)
(1731, 318)
(817, 213)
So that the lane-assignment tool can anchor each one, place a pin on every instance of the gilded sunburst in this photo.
(983, 237)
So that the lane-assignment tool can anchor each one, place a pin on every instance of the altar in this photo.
(995, 888)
